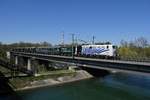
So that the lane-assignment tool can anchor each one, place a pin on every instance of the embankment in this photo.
(78, 75)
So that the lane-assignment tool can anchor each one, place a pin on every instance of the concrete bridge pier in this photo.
(29, 64)
(16, 60)
(25, 62)
(33, 65)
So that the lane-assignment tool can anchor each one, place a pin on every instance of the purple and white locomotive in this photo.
(99, 50)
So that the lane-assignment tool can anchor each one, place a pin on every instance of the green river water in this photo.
(119, 86)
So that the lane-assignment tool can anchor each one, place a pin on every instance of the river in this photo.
(119, 86)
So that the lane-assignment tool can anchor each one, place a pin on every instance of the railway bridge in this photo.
(98, 64)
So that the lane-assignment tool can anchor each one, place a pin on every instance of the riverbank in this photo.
(49, 80)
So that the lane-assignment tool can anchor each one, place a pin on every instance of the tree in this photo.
(141, 42)
(124, 43)
(0, 43)
(134, 49)
(126, 52)
(45, 44)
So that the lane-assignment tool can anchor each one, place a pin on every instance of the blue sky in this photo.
(44, 20)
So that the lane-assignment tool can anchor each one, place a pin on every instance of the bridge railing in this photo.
(134, 59)
(138, 59)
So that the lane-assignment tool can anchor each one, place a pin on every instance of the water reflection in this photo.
(119, 86)
(6, 91)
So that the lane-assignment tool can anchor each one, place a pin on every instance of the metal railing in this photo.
(134, 59)
(137, 59)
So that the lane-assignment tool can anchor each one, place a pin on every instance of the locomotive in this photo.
(105, 50)
(99, 50)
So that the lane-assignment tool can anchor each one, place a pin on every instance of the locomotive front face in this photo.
(101, 50)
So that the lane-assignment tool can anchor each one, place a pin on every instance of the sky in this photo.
(45, 20)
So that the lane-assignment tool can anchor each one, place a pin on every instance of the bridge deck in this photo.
(91, 62)
(88, 59)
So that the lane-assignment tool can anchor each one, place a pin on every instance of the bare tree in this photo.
(45, 44)
(124, 43)
(141, 42)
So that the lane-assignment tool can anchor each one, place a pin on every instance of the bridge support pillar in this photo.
(29, 64)
(16, 60)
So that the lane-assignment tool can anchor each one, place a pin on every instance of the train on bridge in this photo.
(48, 54)
(101, 51)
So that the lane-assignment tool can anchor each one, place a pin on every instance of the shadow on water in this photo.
(6, 91)
(95, 72)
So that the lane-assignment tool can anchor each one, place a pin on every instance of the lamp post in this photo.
(72, 46)
(93, 40)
